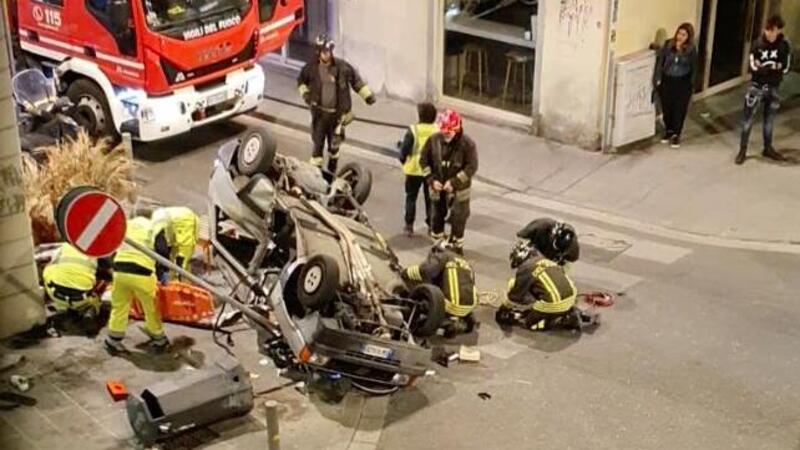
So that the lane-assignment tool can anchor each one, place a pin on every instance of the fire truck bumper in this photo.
(161, 117)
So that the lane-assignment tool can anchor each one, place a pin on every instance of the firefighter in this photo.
(541, 296)
(410, 149)
(556, 241)
(72, 281)
(180, 228)
(325, 85)
(449, 160)
(135, 278)
(454, 276)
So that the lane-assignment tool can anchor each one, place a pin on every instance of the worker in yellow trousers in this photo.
(135, 278)
(180, 226)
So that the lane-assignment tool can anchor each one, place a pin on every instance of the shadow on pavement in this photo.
(167, 149)
(170, 361)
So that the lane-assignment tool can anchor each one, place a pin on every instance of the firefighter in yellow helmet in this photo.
(135, 277)
(541, 296)
(180, 228)
(454, 276)
(71, 281)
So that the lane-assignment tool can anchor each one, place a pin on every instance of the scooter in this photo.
(45, 119)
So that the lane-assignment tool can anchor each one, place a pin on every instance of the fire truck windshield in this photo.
(192, 19)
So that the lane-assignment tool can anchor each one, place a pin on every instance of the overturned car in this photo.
(300, 251)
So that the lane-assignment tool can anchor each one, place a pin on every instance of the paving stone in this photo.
(73, 421)
(15, 441)
(369, 430)
(116, 423)
(30, 422)
(362, 446)
(49, 398)
(376, 407)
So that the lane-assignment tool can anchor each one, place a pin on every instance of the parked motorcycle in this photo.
(44, 118)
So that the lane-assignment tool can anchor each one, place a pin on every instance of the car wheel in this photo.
(429, 312)
(256, 152)
(318, 282)
(360, 180)
(91, 109)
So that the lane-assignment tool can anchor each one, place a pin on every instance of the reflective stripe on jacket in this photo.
(421, 133)
(71, 269)
(544, 285)
(142, 231)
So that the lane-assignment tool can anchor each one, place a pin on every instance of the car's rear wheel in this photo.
(318, 282)
(429, 312)
(359, 178)
(256, 152)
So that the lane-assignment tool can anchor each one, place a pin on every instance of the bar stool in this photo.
(474, 51)
(516, 61)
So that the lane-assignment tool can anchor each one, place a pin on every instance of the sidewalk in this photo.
(696, 189)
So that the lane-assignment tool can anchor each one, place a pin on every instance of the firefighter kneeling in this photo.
(72, 281)
(454, 276)
(541, 296)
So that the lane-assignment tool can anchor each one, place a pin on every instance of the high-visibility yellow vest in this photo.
(71, 269)
(180, 224)
(421, 132)
(142, 231)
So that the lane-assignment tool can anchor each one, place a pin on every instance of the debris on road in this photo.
(21, 383)
(469, 354)
(117, 390)
(485, 395)
(10, 360)
(444, 357)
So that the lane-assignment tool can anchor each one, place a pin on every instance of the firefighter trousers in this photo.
(127, 288)
(326, 128)
(458, 214)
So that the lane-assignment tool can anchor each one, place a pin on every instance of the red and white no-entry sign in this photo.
(91, 220)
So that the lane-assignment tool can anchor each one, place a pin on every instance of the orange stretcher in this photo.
(180, 303)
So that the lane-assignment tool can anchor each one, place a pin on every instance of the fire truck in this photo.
(154, 68)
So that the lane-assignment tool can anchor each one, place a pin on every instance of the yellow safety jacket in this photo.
(180, 225)
(142, 231)
(421, 133)
(71, 269)
(544, 285)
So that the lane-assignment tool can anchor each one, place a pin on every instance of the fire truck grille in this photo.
(175, 75)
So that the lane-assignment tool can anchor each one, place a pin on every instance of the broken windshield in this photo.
(194, 18)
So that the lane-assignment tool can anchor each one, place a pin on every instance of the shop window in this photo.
(489, 52)
(117, 20)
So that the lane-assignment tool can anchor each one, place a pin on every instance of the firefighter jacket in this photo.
(544, 285)
(540, 234)
(346, 77)
(181, 228)
(411, 148)
(455, 162)
(453, 275)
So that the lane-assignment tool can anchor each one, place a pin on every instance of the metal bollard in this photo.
(127, 145)
(273, 430)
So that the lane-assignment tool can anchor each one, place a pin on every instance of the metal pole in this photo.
(273, 429)
(252, 315)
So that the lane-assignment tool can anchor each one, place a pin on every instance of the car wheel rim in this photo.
(312, 280)
(251, 149)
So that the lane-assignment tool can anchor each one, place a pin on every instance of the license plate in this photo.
(216, 98)
(377, 351)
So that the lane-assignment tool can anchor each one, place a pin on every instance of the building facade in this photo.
(546, 65)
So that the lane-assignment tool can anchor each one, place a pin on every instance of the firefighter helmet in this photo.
(324, 42)
(563, 236)
(449, 122)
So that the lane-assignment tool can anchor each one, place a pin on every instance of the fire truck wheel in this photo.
(91, 108)
(256, 152)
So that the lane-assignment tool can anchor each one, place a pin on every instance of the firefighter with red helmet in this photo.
(449, 160)
(325, 85)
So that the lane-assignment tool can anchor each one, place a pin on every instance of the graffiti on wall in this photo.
(575, 18)
(12, 199)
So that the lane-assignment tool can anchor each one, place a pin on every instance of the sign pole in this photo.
(252, 315)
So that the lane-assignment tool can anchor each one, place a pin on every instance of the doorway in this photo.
(319, 19)
(727, 29)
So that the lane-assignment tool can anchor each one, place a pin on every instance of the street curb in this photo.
(514, 194)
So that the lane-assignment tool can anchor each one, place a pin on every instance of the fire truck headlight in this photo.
(148, 114)
(131, 108)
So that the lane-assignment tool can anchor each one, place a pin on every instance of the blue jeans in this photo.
(756, 95)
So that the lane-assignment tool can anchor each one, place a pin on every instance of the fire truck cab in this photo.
(155, 68)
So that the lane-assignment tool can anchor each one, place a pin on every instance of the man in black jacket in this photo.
(325, 86)
(770, 59)
(556, 241)
(449, 160)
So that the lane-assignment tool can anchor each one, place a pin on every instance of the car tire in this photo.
(318, 282)
(430, 310)
(91, 109)
(360, 180)
(256, 152)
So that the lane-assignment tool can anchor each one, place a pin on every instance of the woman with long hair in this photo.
(676, 67)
